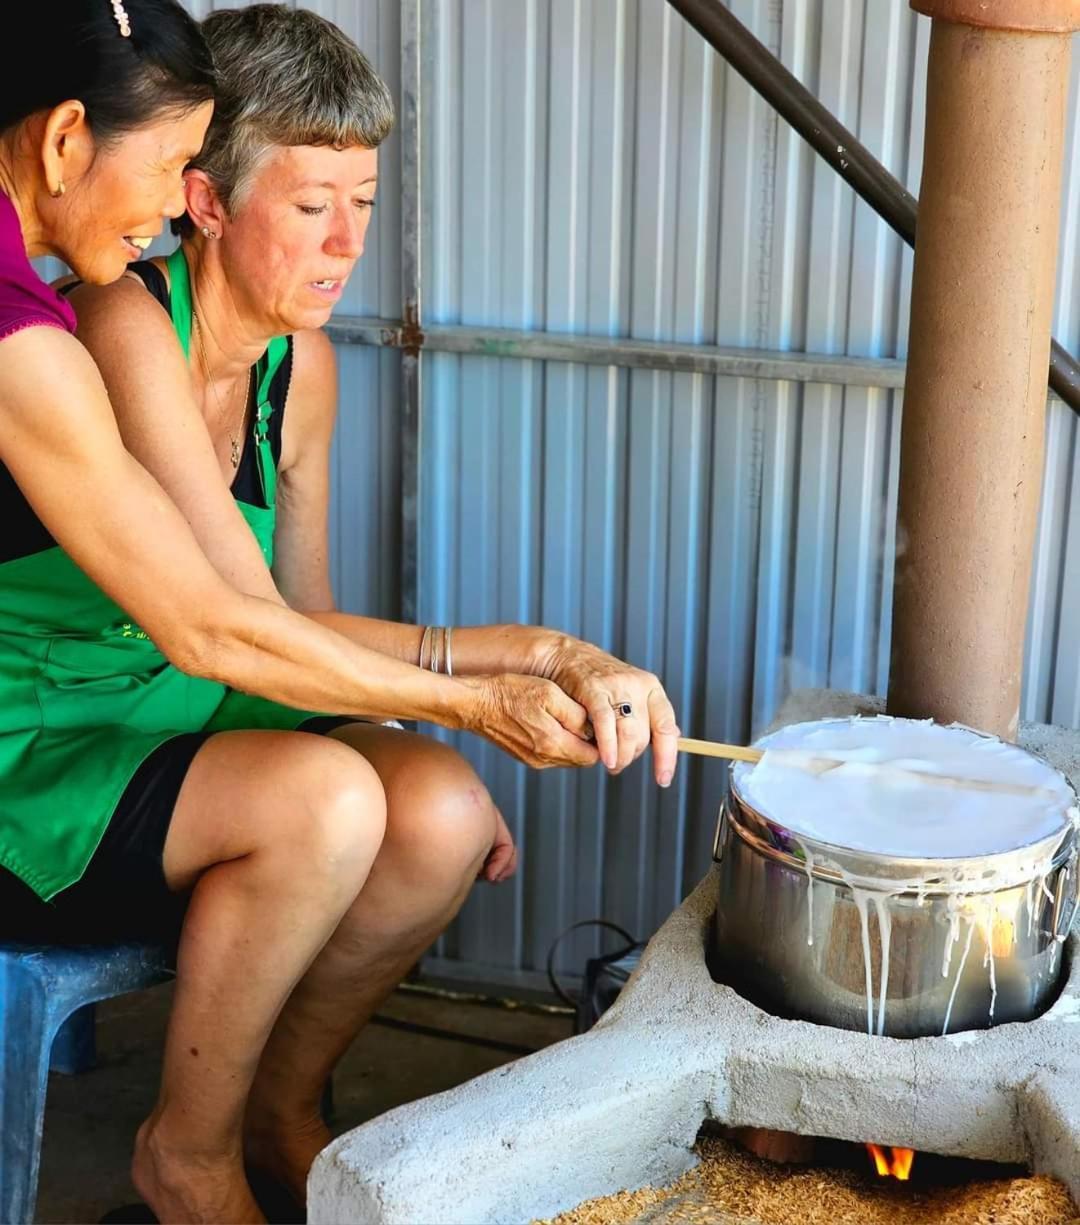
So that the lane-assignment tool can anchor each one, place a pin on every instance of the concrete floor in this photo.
(91, 1119)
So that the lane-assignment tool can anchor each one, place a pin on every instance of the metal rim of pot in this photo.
(1062, 849)
(777, 829)
(1063, 862)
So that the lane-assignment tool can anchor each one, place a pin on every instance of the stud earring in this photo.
(57, 191)
(208, 232)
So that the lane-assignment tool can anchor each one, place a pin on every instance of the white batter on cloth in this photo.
(900, 790)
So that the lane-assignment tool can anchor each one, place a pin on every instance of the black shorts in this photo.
(123, 894)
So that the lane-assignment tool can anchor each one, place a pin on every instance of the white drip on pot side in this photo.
(956, 980)
(901, 794)
(808, 856)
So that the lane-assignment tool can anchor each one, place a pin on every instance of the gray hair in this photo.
(285, 77)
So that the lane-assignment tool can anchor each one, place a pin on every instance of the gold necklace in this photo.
(234, 442)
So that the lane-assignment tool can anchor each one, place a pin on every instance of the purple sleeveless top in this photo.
(25, 300)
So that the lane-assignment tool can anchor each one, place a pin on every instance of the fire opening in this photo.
(894, 1163)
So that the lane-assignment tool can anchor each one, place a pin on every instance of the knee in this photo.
(339, 819)
(441, 818)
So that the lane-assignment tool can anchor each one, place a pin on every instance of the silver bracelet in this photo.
(424, 640)
(436, 631)
(436, 650)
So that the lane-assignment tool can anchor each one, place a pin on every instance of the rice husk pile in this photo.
(733, 1187)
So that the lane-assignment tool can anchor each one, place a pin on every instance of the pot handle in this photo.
(1064, 907)
(721, 829)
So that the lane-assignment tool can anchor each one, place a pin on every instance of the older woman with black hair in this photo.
(314, 869)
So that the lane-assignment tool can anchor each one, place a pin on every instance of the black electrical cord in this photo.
(556, 986)
(453, 1035)
(495, 1044)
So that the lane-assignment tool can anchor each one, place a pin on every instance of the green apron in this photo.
(85, 696)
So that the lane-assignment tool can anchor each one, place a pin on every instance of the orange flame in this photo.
(896, 1165)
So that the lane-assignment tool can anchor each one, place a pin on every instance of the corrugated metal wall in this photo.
(598, 169)
(590, 166)
(595, 168)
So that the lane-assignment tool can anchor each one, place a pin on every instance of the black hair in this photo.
(80, 53)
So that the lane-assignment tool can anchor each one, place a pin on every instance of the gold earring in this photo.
(208, 232)
(57, 191)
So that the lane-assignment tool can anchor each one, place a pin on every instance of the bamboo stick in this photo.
(713, 748)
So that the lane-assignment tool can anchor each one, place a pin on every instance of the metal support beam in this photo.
(409, 329)
(614, 351)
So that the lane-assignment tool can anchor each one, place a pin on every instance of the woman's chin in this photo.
(99, 268)
(310, 318)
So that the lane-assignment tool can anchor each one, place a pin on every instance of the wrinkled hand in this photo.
(531, 718)
(600, 682)
(502, 859)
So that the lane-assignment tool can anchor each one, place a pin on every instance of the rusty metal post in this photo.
(974, 407)
(412, 337)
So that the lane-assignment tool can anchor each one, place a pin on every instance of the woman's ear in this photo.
(67, 146)
(203, 205)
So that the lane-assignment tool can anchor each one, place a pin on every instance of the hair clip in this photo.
(122, 20)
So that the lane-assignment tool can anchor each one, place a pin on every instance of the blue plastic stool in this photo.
(47, 1019)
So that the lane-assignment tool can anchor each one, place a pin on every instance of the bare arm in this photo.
(301, 555)
(133, 342)
(134, 346)
(60, 442)
(590, 675)
(301, 563)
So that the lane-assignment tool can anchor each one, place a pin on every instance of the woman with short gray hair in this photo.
(289, 78)
(314, 858)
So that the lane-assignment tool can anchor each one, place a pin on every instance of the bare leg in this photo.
(276, 832)
(440, 825)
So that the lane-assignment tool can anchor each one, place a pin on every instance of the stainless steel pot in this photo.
(797, 920)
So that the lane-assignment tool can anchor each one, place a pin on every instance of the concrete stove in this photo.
(620, 1106)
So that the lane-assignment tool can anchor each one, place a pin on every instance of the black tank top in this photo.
(245, 486)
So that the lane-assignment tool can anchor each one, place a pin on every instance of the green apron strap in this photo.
(265, 369)
(180, 298)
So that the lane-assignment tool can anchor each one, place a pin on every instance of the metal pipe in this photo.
(828, 137)
(495, 997)
(411, 214)
(731, 361)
